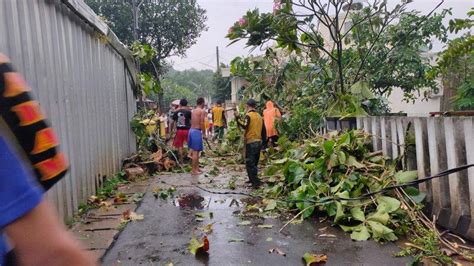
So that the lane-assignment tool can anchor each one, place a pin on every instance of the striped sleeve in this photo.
(23, 115)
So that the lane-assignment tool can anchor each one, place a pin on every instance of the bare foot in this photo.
(195, 173)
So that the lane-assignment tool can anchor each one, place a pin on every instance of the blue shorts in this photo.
(195, 140)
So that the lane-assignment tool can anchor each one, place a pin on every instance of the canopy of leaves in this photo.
(381, 46)
(170, 27)
(200, 82)
(457, 64)
(173, 91)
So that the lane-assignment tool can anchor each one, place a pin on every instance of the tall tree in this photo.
(456, 64)
(170, 27)
(357, 47)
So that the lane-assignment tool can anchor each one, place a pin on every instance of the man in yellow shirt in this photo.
(219, 120)
(255, 138)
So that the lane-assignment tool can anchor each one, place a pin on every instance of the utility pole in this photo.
(218, 63)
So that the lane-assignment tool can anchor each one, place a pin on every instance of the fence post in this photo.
(469, 139)
(454, 144)
(422, 161)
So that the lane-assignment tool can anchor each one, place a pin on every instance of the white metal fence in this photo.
(433, 144)
(83, 77)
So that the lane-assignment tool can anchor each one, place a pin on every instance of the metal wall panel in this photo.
(83, 80)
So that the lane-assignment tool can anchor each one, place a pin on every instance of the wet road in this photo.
(163, 236)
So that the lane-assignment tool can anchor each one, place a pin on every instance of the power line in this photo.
(195, 60)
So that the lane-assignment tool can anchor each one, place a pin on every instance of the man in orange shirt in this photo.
(270, 115)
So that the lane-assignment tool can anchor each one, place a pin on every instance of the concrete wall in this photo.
(420, 107)
(440, 143)
(83, 77)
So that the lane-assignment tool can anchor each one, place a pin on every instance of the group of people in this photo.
(30, 229)
(194, 126)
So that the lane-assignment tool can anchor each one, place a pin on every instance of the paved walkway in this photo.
(163, 236)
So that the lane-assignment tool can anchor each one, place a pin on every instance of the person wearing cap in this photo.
(255, 138)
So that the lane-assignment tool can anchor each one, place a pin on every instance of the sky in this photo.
(223, 13)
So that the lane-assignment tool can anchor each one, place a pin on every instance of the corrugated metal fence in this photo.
(83, 78)
(432, 145)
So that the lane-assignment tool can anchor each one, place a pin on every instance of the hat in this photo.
(251, 103)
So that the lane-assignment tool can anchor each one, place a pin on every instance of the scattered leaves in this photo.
(235, 240)
(207, 229)
(278, 251)
(129, 215)
(196, 246)
(265, 226)
(244, 223)
(315, 259)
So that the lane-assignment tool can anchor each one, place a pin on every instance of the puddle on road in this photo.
(191, 201)
(197, 201)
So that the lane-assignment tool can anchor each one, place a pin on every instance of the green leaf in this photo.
(407, 176)
(415, 194)
(339, 212)
(342, 157)
(352, 161)
(381, 232)
(358, 214)
(271, 205)
(361, 235)
(333, 161)
(328, 146)
(195, 245)
(388, 204)
(380, 216)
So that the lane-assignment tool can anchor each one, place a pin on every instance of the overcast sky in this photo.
(223, 13)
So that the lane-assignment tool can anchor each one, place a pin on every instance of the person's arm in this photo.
(224, 118)
(245, 123)
(203, 124)
(40, 238)
(264, 136)
(173, 123)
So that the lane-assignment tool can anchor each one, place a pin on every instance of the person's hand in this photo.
(236, 113)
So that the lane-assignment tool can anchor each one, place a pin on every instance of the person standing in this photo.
(196, 134)
(219, 121)
(181, 124)
(270, 115)
(255, 138)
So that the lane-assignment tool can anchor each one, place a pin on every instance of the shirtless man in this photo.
(196, 134)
